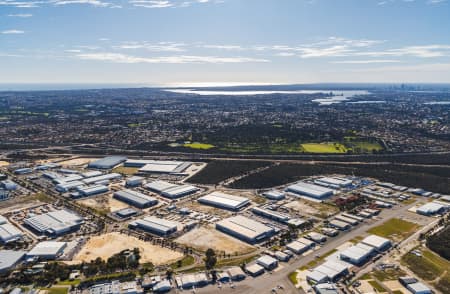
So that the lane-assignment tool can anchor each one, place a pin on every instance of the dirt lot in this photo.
(203, 238)
(76, 161)
(3, 163)
(103, 203)
(317, 209)
(109, 244)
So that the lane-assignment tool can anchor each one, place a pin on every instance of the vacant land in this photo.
(440, 242)
(126, 170)
(203, 238)
(219, 170)
(317, 209)
(395, 229)
(104, 203)
(430, 267)
(104, 246)
(324, 148)
(76, 161)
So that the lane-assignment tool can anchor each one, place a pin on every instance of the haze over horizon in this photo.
(161, 42)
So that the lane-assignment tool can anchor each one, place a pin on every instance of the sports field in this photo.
(197, 145)
(324, 148)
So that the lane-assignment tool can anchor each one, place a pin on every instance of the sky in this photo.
(182, 42)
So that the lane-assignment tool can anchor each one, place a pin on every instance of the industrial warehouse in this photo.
(8, 232)
(155, 225)
(224, 201)
(108, 162)
(170, 190)
(135, 198)
(245, 229)
(158, 166)
(310, 190)
(55, 223)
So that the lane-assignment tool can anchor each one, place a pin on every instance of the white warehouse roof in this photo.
(308, 189)
(376, 241)
(54, 222)
(160, 186)
(47, 249)
(9, 258)
(244, 228)
(9, 233)
(223, 200)
(156, 225)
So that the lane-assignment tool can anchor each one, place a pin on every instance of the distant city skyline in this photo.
(171, 42)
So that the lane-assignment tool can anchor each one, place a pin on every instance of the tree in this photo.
(211, 259)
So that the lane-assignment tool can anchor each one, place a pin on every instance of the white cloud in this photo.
(123, 58)
(22, 15)
(223, 47)
(158, 47)
(97, 3)
(12, 32)
(369, 61)
(21, 4)
(152, 3)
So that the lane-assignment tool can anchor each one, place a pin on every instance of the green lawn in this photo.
(395, 229)
(197, 145)
(324, 148)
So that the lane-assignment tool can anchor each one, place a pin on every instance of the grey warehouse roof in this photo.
(135, 197)
(107, 162)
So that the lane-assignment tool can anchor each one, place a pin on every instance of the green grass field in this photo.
(197, 145)
(395, 229)
(324, 148)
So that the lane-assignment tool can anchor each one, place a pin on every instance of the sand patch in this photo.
(106, 245)
(77, 161)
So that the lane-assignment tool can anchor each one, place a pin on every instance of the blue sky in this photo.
(224, 41)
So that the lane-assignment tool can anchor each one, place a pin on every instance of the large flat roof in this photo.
(54, 222)
(376, 241)
(245, 227)
(107, 162)
(8, 232)
(180, 190)
(135, 196)
(309, 189)
(224, 200)
(9, 258)
(160, 186)
(155, 223)
(47, 248)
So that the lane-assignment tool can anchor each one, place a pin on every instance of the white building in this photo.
(155, 225)
(47, 250)
(310, 190)
(267, 262)
(55, 222)
(225, 201)
(245, 229)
